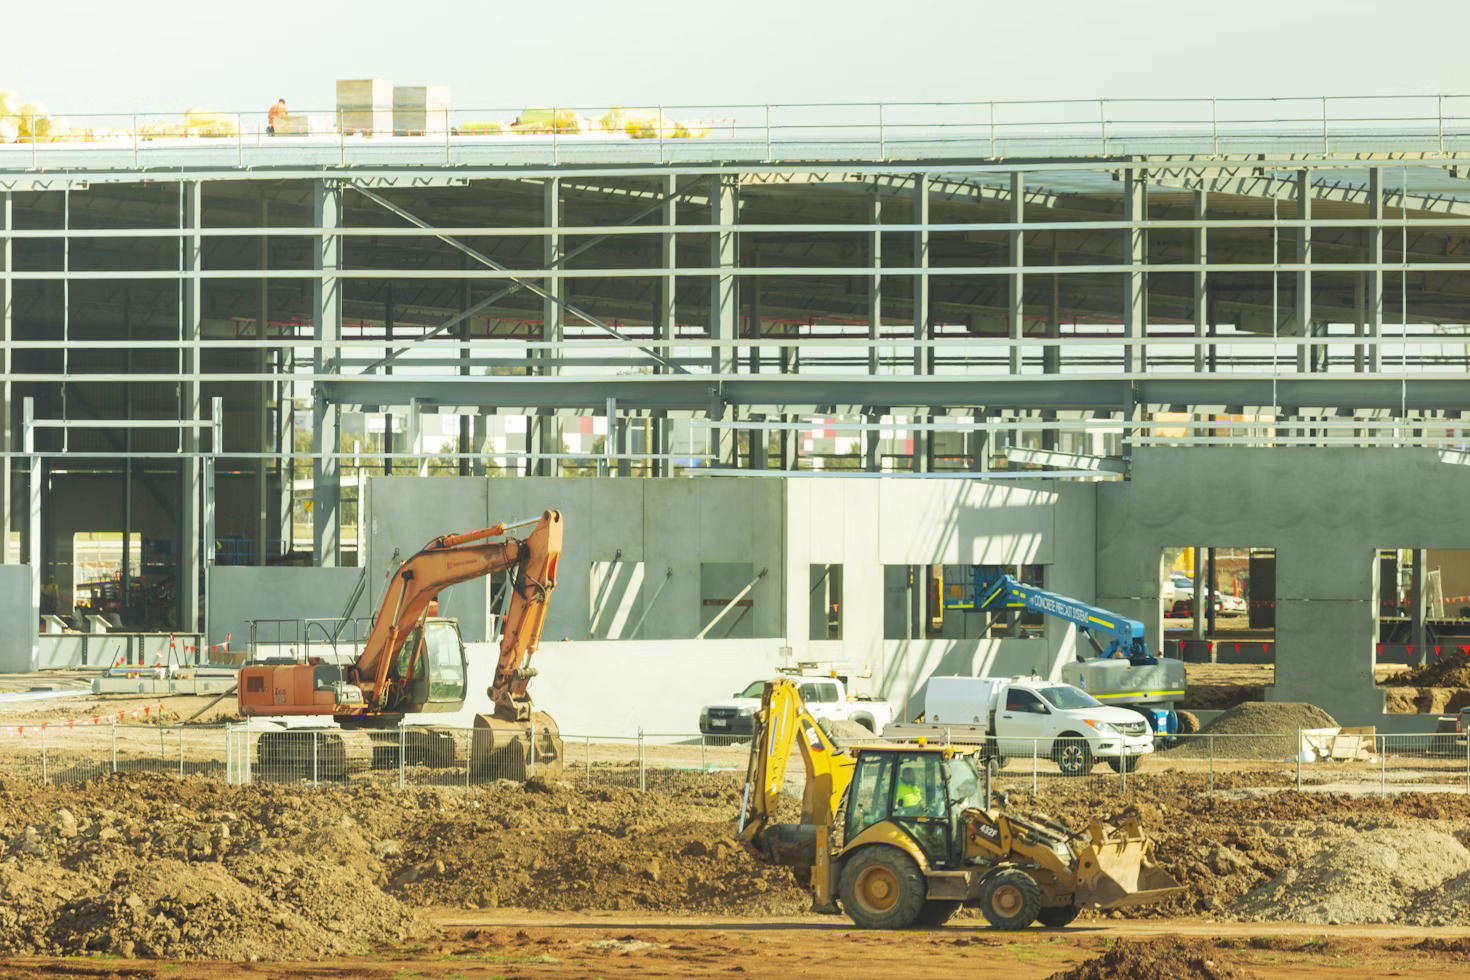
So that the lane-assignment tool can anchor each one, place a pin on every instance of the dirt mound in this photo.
(1255, 730)
(1157, 959)
(1452, 670)
(1376, 876)
(140, 865)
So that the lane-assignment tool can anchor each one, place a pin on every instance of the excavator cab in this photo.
(439, 682)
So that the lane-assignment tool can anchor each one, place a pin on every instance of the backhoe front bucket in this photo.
(516, 750)
(1119, 871)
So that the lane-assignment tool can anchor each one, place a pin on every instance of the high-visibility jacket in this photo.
(907, 795)
(277, 111)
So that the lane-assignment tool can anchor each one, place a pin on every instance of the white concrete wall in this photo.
(19, 619)
(662, 524)
(1324, 511)
(867, 524)
(240, 593)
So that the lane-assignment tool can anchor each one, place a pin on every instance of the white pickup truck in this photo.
(826, 698)
(1022, 715)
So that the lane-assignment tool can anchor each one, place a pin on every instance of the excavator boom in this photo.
(389, 677)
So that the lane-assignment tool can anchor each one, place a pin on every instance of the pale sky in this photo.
(163, 56)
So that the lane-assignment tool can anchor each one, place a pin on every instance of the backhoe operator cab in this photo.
(899, 835)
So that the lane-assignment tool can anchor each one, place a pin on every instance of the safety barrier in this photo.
(447, 757)
(835, 131)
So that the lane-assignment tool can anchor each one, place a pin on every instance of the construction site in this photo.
(322, 424)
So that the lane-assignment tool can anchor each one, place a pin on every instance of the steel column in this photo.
(327, 298)
(724, 308)
(1199, 279)
(545, 428)
(7, 294)
(875, 281)
(1305, 356)
(1135, 284)
(923, 357)
(191, 468)
(1016, 281)
(1373, 249)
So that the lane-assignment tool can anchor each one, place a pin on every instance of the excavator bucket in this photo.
(516, 750)
(1118, 870)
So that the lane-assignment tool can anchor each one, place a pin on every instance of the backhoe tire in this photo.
(1073, 756)
(1010, 899)
(882, 888)
(937, 912)
(1056, 916)
(1125, 763)
(1188, 722)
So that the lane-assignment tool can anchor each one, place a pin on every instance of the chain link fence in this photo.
(448, 757)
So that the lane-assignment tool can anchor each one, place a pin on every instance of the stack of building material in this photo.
(420, 109)
(365, 106)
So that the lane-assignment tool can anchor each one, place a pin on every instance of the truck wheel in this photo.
(1073, 756)
(866, 722)
(1056, 916)
(882, 888)
(937, 912)
(1010, 899)
(1188, 722)
(1125, 763)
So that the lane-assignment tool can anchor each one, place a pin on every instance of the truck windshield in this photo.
(1068, 697)
(755, 690)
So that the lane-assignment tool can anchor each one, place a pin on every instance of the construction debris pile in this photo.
(1386, 875)
(1266, 730)
(1451, 670)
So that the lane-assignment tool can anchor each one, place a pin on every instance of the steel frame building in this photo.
(955, 294)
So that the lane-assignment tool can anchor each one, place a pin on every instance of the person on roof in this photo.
(277, 111)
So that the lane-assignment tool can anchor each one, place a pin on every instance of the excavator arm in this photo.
(449, 560)
(781, 724)
(379, 681)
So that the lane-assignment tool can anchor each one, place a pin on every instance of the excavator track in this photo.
(516, 750)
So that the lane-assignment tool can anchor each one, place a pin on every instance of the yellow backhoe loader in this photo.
(899, 835)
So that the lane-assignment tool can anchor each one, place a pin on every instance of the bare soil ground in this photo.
(142, 875)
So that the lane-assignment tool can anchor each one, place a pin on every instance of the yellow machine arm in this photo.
(783, 721)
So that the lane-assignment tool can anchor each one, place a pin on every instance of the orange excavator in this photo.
(414, 662)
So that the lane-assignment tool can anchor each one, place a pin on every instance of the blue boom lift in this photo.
(1124, 671)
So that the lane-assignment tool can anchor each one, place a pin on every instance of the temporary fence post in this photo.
(882, 151)
(402, 754)
(703, 762)
(768, 131)
(114, 745)
(1211, 737)
(1122, 775)
(246, 753)
(531, 731)
(181, 751)
(642, 772)
(1383, 766)
(229, 757)
(1035, 757)
(44, 777)
(315, 772)
(588, 751)
(1299, 753)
